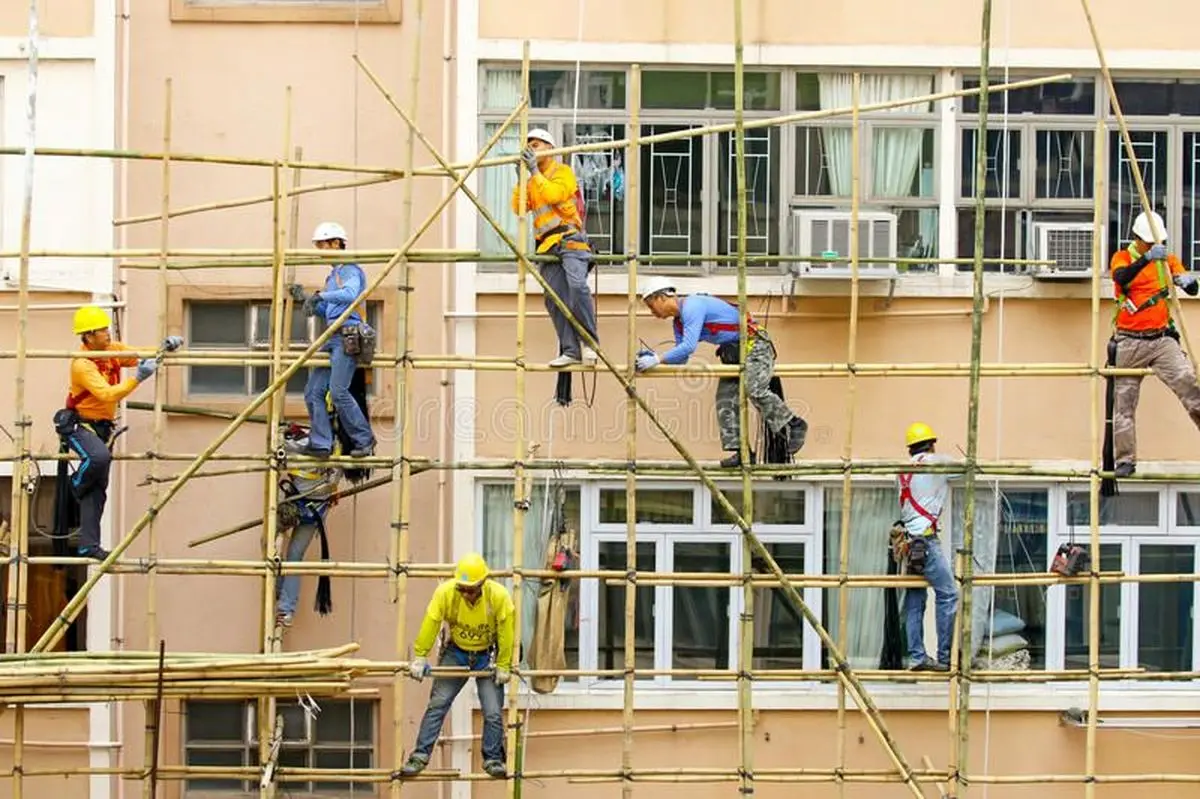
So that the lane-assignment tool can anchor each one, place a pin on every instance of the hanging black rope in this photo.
(324, 603)
(1108, 486)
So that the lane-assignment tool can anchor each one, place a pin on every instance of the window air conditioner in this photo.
(816, 233)
(1068, 244)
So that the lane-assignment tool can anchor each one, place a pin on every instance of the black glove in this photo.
(310, 303)
(297, 292)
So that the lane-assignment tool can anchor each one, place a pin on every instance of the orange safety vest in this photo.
(554, 221)
(1141, 306)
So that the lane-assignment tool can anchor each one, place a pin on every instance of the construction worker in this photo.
(304, 502)
(701, 317)
(344, 284)
(87, 424)
(479, 615)
(551, 196)
(922, 497)
(1145, 335)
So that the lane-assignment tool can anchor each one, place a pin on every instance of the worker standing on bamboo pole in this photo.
(922, 497)
(552, 196)
(1144, 335)
(479, 615)
(700, 317)
(87, 424)
(350, 346)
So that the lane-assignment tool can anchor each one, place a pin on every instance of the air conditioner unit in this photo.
(1068, 244)
(816, 233)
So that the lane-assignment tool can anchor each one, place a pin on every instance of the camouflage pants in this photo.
(760, 367)
(1170, 365)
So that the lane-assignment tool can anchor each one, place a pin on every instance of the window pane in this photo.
(762, 193)
(672, 193)
(1002, 176)
(343, 759)
(1187, 509)
(760, 91)
(822, 161)
(1158, 97)
(554, 88)
(999, 238)
(902, 162)
(601, 177)
(770, 507)
(262, 379)
(1165, 610)
(1060, 97)
(1077, 615)
(333, 724)
(917, 237)
(262, 325)
(610, 618)
(215, 757)
(1133, 509)
(778, 626)
(700, 635)
(826, 90)
(1153, 157)
(495, 190)
(698, 90)
(1065, 167)
(654, 506)
(217, 324)
(215, 721)
(1189, 245)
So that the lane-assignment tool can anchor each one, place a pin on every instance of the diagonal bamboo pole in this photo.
(866, 704)
(58, 626)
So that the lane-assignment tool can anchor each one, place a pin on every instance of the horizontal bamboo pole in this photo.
(446, 740)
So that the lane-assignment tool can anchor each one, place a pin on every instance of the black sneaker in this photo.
(1125, 470)
(314, 452)
(95, 553)
(415, 764)
(797, 431)
(927, 664)
(734, 461)
(495, 768)
(363, 452)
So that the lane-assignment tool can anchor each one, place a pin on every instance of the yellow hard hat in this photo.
(918, 433)
(471, 570)
(91, 318)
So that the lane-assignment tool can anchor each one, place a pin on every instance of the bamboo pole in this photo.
(57, 627)
(590, 731)
(633, 177)
(152, 709)
(843, 618)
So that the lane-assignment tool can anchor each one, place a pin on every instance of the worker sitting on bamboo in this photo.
(87, 423)
(1145, 335)
(922, 497)
(700, 317)
(305, 499)
(552, 197)
(347, 347)
(480, 616)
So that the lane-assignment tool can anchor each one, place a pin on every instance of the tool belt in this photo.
(67, 420)
(359, 341)
(730, 353)
(1149, 335)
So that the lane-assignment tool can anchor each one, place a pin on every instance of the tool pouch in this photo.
(918, 550)
(729, 353)
(366, 344)
(898, 540)
(66, 421)
(351, 340)
(287, 513)
(1070, 560)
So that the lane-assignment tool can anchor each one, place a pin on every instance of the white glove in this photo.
(1157, 252)
(172, 343)
(502, 676)
(646, 361)
(418, 669)
(145, 368)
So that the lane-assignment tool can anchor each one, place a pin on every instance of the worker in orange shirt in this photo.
(1144, 335)
(87, 423)
(550, 196)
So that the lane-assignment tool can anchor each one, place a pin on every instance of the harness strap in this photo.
(456, 605)
(906, 495)
(712, 328)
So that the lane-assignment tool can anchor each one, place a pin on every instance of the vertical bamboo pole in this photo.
(965, 648)
(401, 489)
(848, 444)
(745, 651)
(633, 162)
(520, 488)
(160, 423)
(18, 573)
(1099, 161)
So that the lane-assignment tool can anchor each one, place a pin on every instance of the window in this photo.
(340, 736)
(49, 587)
(241, 325)
(364, 11)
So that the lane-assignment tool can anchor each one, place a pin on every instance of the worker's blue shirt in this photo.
(695, 311)
(342, 287)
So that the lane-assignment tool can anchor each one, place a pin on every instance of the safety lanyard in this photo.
(906, 495)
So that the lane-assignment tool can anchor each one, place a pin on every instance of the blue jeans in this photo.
(335, 379)
(945, 594)
(289, 587)
(445, 689)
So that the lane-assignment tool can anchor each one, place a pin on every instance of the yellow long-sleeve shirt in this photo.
(96, 385)
(473, 628)
(550, 195)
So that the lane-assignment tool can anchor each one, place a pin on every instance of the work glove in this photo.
(310, 303)
(647, 360)
(1187, 282)
(1157, 252)
(530, 158)
(145, 368)
(172, 343)
(502, 676)
(418, 669)
(297, 292)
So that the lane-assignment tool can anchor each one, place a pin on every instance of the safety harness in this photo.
(554, 222)
(479, 659)
(713, 328)
(1164, 291)
(906, 495)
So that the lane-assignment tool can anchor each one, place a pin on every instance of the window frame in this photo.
(380, 12)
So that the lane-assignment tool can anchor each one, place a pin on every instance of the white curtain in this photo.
(872, 511)
(983, 545)
(503, 91)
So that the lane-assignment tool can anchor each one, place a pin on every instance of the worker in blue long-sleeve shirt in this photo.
(344, 285)
(700, 317)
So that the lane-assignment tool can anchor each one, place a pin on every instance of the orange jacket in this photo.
(1142, 304)
(96, 385)
(550, 197)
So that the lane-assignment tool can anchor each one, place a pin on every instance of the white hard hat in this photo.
(1143, 230)
(656, 285)
(541, 134)
(329, 230)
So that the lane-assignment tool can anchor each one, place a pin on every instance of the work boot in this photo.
(363, 452)
(797, 431)
(1125, 469)
(563, 360)
(734, 461)
(315, 452)
(95, 553)
(495, 768)
(415, 764)
(928, 664)
(283, 619)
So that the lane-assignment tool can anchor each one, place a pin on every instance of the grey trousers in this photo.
(760, 366)
(1170, 365)
(568, 279)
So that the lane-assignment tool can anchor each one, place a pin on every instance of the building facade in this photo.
(102, 85)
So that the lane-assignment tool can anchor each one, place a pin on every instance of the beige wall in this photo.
(55, 18)
(55, 742)
(1053, 23)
